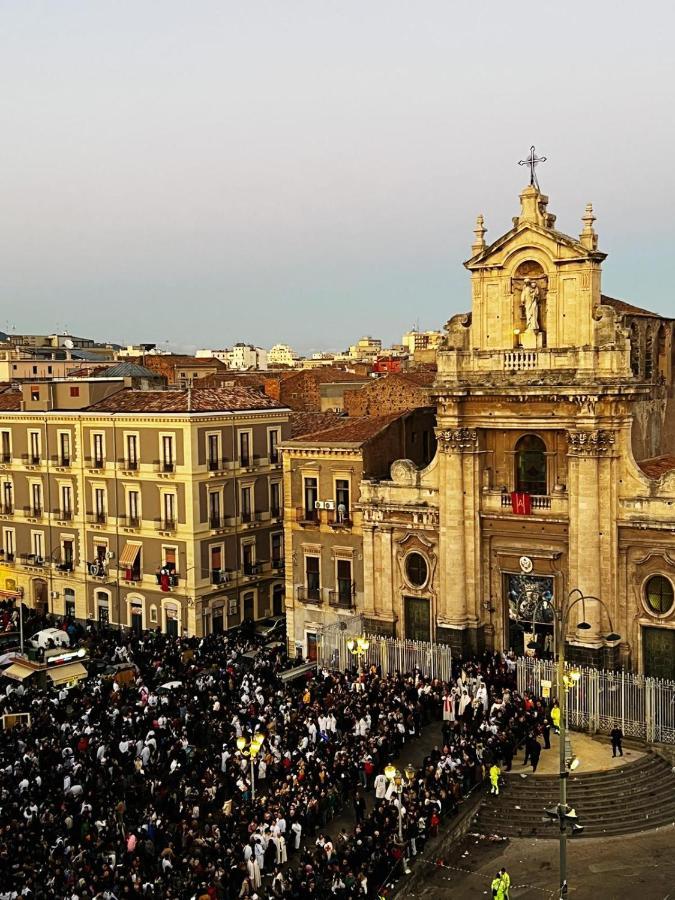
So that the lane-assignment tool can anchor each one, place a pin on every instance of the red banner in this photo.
(521, 503)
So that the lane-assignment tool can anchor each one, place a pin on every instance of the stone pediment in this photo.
(560, 247)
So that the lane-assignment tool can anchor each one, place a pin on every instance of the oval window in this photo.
(659, 595)
(416, 569)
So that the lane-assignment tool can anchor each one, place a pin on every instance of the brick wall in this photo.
(391, 394)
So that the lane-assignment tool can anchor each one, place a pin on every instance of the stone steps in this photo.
(629, 799)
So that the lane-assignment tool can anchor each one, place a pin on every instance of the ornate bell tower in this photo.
(535, 379)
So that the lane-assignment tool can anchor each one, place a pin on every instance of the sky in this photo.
(198, 173)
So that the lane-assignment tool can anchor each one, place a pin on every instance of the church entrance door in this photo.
(417, 619)
(658, 645)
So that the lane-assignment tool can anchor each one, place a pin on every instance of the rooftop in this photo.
(312, 422)
(184, 401)
(628, 309)
(354, 431)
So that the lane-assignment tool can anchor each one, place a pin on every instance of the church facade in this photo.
(554, 469)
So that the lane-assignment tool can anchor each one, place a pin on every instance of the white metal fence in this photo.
(389, 654)
(642, 707)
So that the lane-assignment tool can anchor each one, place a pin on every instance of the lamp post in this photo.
(254, 747)
(560, 613)
(358, 647)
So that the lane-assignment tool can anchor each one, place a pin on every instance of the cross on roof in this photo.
(532, 161)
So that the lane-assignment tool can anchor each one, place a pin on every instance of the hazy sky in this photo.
(204, 172)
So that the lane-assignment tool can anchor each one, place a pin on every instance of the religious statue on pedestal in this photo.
(529, 298)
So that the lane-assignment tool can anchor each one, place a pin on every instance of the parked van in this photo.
(40, 640)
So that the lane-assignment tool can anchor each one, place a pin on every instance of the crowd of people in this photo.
(138, 788)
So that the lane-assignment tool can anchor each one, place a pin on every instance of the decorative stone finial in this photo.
(588, 236)
(479, 232)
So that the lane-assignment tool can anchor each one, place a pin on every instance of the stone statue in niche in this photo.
(529, 298)
(529, 286)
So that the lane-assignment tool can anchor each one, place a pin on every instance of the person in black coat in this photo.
(617, 736)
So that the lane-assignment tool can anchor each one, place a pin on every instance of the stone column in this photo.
(459, 531)
(368, 570)
(384, 601)
(591, 539)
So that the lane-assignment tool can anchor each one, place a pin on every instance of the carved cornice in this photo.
(458, 440)
(590, 443)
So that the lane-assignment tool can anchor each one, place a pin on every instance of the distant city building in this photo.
(366, 349)
(241, 356)
(282, 355)
(421, 340)
(142, 350)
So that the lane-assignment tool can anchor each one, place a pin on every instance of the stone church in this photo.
(554, 467)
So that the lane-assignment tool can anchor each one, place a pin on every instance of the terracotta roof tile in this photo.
(183, 401)
(354, 430)
(657, 466)
(628, 309)
(312, 422)
(10, 401)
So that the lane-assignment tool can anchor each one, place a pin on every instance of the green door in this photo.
(417, 620)
(659, 652)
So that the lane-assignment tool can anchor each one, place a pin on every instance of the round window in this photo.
(659, 595)
(416, 569)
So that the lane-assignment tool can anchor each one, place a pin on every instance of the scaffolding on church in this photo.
(642, 707)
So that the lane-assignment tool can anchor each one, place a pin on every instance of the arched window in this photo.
(531, 465)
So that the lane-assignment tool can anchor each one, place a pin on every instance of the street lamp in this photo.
(358, 647)
(393, 776)
(254, 747)
(560, 613)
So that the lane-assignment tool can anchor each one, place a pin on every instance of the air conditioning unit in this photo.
(110, 554)
(319, 504)
(55, 595)
(329, 504)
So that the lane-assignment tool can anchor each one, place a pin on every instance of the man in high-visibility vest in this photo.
(498, 888)
(495, 772)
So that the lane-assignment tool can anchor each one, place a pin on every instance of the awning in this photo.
(128, 555)
(70, 672)
(16, 594)
(18, 672)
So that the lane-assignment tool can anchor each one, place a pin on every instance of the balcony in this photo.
(97, 518)
(63, 515)
(344, 596)
(220, 576)
(64, 566)
(31, 459)
(98, 568)
(498, 503)
(129, 465)
(132, 576)
(165, 524)
(167, 466)
(339, 520)
(32, 512)
(172, 576)
(275, 512)
(253, 569)
(216, 465)
(32, 559)
(275, 458)
(6, 557)
(249, 518)
(94, 463)
(129, 521)
(307, 517)
(7, 509)
(61, 462)
(309, 594)
(278, 564)
(5, 458)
